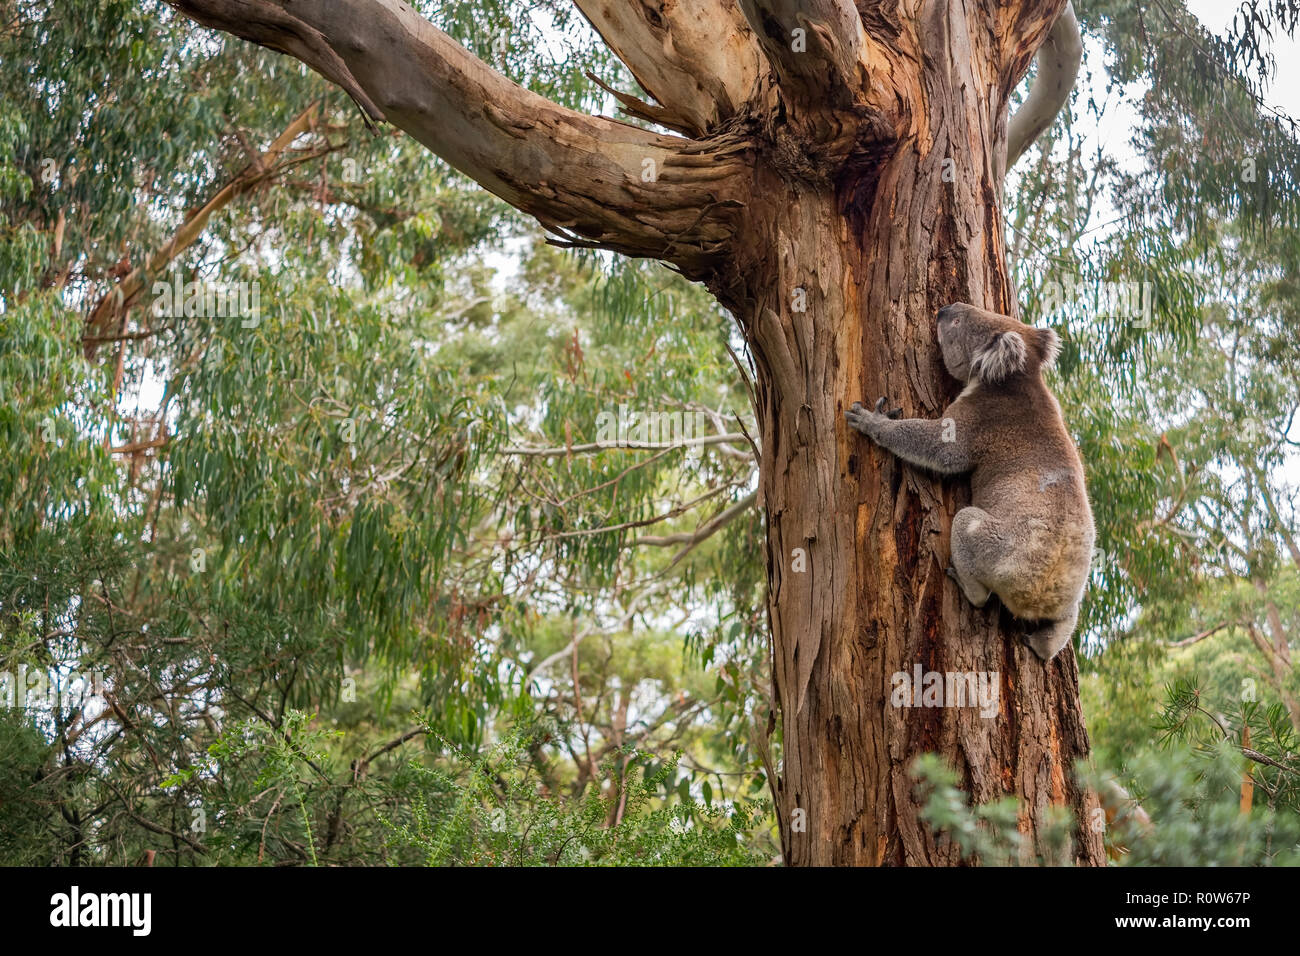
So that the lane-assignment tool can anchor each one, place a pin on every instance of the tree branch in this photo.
(1058, 67)
(699, 59)
(362, 764)
(622, 443)
(1283, 528)
(619, 186)
(706, 530)
(825, 58)
(104, 317)
(668, 515)
(139, 446)
(1197, 638)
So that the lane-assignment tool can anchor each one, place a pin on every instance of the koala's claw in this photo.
(862, 419)
(888, 413)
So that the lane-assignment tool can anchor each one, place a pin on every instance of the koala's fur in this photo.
(1027, 536)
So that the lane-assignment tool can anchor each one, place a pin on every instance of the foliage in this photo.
(985, 834)
(1192, 817)
(364, 501)
(451, 807)
(1263, 735)
(1196, 818)
(494, 810)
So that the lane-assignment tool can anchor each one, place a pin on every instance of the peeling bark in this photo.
(590, 178)
(816, 47)
(697, 56)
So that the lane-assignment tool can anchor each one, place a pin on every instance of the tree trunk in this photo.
(871, 255)
(838, 181)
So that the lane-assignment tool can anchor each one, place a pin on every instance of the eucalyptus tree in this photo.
(833, 176)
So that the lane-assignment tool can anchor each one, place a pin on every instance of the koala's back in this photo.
(1028, 476)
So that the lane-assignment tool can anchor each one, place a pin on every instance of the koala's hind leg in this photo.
(1047, 641)
(975, 552)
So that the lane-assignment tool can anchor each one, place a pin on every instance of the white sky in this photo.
(1284, 93)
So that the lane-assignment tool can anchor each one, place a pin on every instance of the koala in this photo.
(1028, 534)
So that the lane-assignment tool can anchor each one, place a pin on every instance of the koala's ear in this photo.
(1048, 346)
(1002, 357)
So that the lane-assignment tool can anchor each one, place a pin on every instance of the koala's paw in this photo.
(860, 417)
(881, 404)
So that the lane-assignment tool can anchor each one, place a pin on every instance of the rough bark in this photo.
(864, 169)
(697, 58)
(878, 242)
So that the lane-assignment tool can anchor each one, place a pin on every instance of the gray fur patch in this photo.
(1051, 347)
(1002, 357)
(1058, 477)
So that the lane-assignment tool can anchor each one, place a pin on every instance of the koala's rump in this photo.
(1043, 530)
(1043, 570)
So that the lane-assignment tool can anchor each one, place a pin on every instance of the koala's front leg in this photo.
(935, 445)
